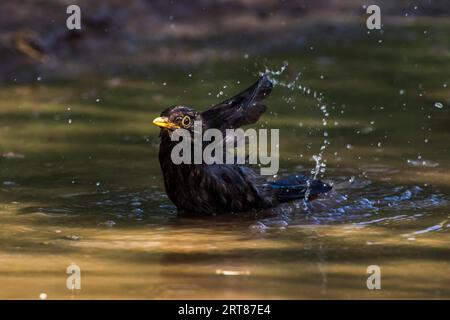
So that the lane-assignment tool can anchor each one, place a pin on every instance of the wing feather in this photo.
(243, 109)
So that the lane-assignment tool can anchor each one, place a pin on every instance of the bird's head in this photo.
(177, 117)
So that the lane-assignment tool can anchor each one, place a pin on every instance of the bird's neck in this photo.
(174, 173)
(177, 176)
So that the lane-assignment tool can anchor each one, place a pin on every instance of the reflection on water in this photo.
(89, 191)
(132, 244)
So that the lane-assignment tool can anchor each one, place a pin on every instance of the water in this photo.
(80, 182)
(274, 75)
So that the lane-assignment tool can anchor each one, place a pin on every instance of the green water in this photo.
(81, 183)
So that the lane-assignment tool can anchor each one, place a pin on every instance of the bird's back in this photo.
(218, 188)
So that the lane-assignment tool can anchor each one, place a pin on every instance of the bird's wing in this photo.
(244, 108)
(234, 187)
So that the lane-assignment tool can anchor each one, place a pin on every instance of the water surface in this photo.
(80, 181)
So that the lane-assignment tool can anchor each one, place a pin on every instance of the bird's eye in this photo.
(186, 121)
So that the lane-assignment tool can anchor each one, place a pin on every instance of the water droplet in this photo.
(108, 223)
(233, 272)
(72, 237)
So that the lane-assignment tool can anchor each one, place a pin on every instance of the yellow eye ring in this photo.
(186, 121)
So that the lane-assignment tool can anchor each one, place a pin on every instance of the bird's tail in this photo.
(297, 187)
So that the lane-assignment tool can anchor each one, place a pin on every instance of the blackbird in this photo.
(223, 188)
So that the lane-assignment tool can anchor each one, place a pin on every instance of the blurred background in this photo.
(80, 180)
(134, 37)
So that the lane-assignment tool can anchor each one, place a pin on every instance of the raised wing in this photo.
(244, 108)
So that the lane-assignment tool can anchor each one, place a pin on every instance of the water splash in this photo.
(293, 85)
(273, 74)
(361, 203)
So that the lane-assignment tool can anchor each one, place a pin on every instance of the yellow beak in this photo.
(163, 122)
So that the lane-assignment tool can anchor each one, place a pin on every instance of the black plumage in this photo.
(220, 188)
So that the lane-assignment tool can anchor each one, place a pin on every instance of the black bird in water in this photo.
(221, 188)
